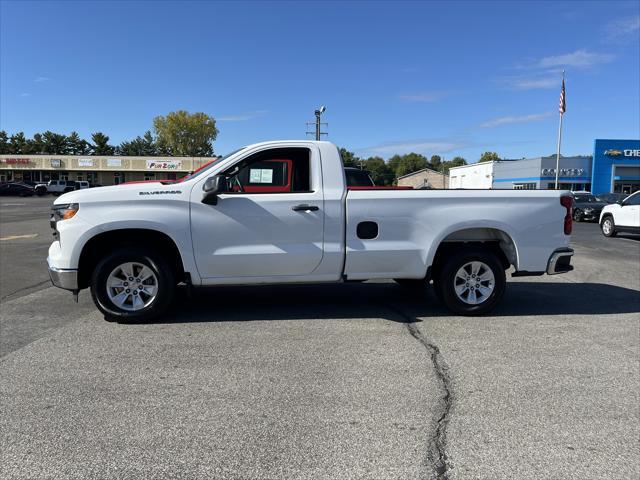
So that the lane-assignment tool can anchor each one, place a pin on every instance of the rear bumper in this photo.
(560, 261)
(64, 278)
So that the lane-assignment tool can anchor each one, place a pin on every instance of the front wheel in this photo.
(131, 284)
(471, 282)
(608, 227)
(577, 215)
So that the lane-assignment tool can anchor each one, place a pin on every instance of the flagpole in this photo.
(558, 150)
(559, 138)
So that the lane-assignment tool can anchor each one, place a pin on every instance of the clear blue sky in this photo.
(452, 78)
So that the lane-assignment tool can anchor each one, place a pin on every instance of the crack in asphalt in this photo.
(437, 454)
(25, 289)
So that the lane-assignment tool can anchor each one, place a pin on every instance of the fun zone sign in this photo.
(164, 165)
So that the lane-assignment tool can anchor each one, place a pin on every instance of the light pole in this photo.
(318, 123)
(318, 113)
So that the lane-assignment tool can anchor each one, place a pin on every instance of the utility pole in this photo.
(318, 124)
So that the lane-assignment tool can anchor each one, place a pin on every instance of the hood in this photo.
(99, 193)
(594, 205)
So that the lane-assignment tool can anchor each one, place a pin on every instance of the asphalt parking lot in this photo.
(335, 381)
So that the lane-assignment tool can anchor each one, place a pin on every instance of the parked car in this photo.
(586, 207)
(16, 189)
(60, 186)
(610, 198)
(621, 217)
(131, 244)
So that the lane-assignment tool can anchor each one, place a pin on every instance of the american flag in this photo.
(562, 107)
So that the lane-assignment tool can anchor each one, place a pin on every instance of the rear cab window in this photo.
(358, 178)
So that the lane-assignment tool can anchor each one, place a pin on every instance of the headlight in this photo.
(588, 210)
(65, 211)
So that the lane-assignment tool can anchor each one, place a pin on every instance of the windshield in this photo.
(207, 166)
(585, 198)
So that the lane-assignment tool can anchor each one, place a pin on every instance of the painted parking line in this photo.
(19, 237)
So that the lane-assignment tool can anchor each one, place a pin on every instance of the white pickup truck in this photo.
(280, 212)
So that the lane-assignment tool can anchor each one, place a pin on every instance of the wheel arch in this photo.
(96, 247)
(605, 215)
(495, 239)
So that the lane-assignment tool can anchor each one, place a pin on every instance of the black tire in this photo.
(578, 215)
(445, 281)
(610, 229)
(152, 260)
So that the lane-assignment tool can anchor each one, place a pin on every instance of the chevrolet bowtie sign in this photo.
(627, 153)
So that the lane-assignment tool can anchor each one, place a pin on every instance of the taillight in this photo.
(567, 202)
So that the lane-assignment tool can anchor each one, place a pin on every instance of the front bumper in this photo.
(590, 216)
(64, 278)
(560, 261)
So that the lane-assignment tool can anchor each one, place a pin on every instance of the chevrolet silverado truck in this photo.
(281, 212)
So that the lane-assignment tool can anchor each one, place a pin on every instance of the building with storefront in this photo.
(614, 167)
(98, 170)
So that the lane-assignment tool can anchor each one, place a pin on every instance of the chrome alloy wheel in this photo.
(607, 226)
(474, 282)
(132, 286)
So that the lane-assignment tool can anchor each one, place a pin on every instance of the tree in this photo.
(4, 143)
(454, 162)
(489, 157)
(101, 144)
(149, 144)
(380, 172)
(409, 163)
(36, 146)
(140, 146)
(349, 159)
(436, 162)
(181, 133)
(18, 143)
(77, 145)
(54, 143)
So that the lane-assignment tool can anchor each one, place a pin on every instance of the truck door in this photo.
(269, 222)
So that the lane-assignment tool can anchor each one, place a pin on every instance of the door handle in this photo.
(305, 208)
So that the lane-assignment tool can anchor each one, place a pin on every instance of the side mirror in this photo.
(212, 187)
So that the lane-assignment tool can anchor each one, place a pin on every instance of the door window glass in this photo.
(279, 170)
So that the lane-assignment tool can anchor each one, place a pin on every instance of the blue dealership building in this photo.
(613, 167)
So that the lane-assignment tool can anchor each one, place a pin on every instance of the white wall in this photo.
(476, 175)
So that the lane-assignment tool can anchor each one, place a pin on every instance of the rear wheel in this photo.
(471, 282)
(608, 227)
(132, 284)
